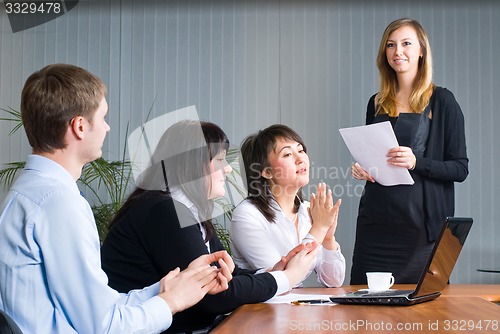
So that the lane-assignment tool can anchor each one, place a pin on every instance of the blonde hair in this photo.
(422, 86)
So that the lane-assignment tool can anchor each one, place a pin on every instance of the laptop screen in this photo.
(444, 256)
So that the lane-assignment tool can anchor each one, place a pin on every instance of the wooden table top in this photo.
(460, 309)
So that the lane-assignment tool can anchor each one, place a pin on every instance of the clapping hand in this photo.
(297, 266)
(183, 289)
(282, 263)
(226, 268)
(323, 213)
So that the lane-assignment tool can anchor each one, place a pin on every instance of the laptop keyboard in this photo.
(388, 293)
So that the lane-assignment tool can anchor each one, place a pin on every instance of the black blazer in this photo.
(148, 241)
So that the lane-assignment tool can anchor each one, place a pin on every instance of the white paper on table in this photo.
(291, 297)
(368, 145)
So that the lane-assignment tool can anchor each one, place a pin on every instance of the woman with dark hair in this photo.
(274, 218)
(166, 223)
(397, 225)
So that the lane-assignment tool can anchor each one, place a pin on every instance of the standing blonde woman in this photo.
(397, 225)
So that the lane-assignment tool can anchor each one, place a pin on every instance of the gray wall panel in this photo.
(248, 64)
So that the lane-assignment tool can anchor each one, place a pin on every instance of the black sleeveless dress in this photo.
(391, 234)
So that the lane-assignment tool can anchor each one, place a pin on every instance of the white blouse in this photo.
(178, 195)
(257, 243)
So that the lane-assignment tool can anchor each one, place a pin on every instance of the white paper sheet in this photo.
(291, 297)
(368, 145)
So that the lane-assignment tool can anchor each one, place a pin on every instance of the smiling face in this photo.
(403, 51)
(288, 169)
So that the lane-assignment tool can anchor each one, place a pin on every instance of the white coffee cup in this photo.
(379, 281)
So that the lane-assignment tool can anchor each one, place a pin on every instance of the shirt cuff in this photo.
(281, 281)
(161, 315)
(331, 255)
(308, 238)
(262, 270)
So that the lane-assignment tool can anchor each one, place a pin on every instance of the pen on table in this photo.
(311, 301)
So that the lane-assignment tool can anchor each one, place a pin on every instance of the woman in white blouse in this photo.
(274, 218)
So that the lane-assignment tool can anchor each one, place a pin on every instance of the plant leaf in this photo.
(8, 174)
(15, 117)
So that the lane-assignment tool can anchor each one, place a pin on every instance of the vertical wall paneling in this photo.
(248, 64)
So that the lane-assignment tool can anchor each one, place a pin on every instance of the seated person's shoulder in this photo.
(247, 214)
(245, 205)
(245, 210)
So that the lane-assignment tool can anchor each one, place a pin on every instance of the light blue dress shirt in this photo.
(51, 279)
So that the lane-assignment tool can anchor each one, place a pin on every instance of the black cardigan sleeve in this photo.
(446, 153)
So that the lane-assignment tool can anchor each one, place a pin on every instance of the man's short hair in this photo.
(52, 97)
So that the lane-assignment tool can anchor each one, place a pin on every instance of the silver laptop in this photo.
(435, 276)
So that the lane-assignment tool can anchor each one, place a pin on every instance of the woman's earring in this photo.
(267, 174)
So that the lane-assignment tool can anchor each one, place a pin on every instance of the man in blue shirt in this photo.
(51, 279)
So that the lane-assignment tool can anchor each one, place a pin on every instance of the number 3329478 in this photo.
(470, 325)
(32, 7)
